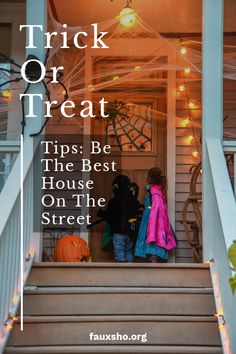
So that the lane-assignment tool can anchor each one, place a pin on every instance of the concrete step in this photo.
(115, 274)
(75, 330)
(118, 301)
(115, 349)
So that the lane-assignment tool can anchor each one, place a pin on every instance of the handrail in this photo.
(222, 233)
(229, 146)
(9, 149)
(223, 190)
(9, 146)
(10, 257)
(11, 189)
(230, 150)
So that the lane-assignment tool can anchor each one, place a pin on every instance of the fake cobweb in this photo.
(131, 83)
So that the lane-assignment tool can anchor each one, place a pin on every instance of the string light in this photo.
(14, 318)
(9, 327)
(191, 105)
(187, 71)
(6, 94)
(209, 261)
(182, 88)
(91, 87)
(189, 140)
(115, 78)
(184, 122)
(137, 68)
(220, 311)
(183, 51)
(9, 324)
(127, 17)
(195, 153)
(15, 299)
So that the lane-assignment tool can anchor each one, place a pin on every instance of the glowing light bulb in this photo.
(182, 88)
(195, 153)
(15, 299)
(9, 327)
(189, 139)
(115, 78)
(208, 262)
(184, 122)
(187, 71)
(14, 318)
(64, 92)
(137, 68)
(191, 105)
(127, 17)
(90, 87)
(6, 94)
(183, 51)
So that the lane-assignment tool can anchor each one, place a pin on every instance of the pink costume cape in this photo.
(159, 230)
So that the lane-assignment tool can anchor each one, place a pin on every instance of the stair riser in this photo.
(121, 350)
(120, 304)
(77, 333)
(161, 277)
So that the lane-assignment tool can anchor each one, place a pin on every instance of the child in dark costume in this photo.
(120, 214)
(155, 236)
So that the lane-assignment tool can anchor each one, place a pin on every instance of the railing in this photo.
(10, 239)
(8, 154)
(230, 152)
(222, 231)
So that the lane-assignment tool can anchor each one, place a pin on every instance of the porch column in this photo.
(36, 15)
(212, 100)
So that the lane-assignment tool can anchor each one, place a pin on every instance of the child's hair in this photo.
(156, 176)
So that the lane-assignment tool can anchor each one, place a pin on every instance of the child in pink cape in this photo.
(155, 236)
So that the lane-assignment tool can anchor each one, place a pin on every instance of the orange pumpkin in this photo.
(71, 248)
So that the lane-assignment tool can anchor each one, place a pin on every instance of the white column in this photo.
(36, 15)
(212, 99)
(171, 140)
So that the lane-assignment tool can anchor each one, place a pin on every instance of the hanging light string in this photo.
(222, 324)
(184, 88)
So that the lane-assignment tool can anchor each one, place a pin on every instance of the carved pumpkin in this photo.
(71, 249)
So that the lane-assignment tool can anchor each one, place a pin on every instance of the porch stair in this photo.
(65, 302)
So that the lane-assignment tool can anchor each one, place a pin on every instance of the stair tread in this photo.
(118, 318)
(120, 265)
(113, 289)
(116, 349)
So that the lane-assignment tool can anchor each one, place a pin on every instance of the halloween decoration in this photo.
(71, 248)
(33, 72)
(128, 126)
(193, 228)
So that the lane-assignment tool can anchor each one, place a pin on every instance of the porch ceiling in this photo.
(165, 16)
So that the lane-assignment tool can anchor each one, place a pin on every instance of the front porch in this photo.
(154, 77)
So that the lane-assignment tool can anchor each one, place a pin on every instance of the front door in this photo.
(138, 140)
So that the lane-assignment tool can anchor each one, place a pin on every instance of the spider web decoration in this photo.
(129, 126)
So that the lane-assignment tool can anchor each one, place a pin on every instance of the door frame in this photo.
(171, 54)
